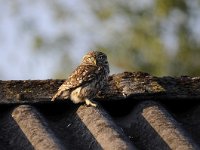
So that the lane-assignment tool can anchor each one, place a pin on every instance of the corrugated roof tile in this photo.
(135, 110)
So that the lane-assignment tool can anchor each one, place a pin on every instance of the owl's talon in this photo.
(90, 103)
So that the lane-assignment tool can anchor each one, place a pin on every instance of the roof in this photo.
(135, 111)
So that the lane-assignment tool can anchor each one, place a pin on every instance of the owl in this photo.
(86, 80)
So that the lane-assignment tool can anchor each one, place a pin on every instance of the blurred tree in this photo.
(161, 38)
(154, 38)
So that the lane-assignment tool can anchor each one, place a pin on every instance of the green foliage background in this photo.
(141, 47)
(154, 36)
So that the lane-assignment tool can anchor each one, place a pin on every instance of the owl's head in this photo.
(95, 58)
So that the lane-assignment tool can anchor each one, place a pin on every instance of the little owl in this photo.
(86, 80)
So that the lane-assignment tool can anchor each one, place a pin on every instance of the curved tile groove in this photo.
(101, 126)
(154, 128)
(35, 128)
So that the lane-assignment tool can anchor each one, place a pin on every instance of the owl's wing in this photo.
(82, 74)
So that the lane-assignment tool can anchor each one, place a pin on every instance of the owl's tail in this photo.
(56, 95)
(61, 94)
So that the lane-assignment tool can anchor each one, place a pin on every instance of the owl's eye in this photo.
(100, 57)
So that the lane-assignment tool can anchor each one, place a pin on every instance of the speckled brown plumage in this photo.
(86, 80)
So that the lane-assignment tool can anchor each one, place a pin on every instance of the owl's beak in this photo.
(93, 60)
